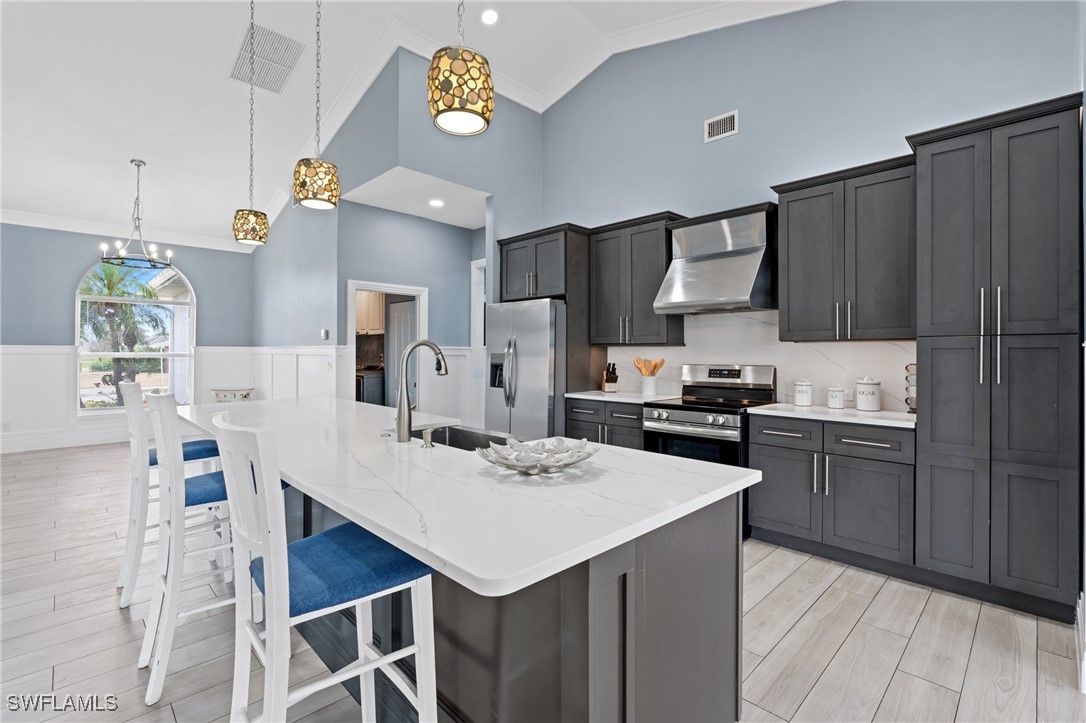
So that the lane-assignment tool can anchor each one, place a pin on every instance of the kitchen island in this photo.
(609, 591)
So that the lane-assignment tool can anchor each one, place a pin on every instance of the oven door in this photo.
(717, 445)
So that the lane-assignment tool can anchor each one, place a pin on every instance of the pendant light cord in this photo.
(318, 134)
(137, 211)
(252, 95)
(460, 22)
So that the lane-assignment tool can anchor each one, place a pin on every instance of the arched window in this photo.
(136, 325)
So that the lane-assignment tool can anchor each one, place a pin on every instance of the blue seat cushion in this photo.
(339, 565)
(192, 450)
(208, 489)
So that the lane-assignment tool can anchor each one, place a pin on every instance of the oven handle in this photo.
(727, 434)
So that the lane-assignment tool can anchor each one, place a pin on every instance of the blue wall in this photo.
(478, 243)
(817, 91)
(40, 271)
(395, 248)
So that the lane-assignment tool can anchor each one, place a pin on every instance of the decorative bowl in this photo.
(542, 456)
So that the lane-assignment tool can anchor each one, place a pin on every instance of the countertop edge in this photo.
(843, 416)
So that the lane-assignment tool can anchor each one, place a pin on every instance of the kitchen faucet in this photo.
(403, 403)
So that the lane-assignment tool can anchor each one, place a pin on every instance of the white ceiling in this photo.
(89, 85)
(401, 189)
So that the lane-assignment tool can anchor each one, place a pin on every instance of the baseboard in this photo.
(1080, 642)
(55, 439)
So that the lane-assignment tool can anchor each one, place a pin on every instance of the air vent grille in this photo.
(276, 56)
(722, 126)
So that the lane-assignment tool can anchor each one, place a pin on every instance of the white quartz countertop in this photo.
(492, 530)
(825, 414)
(624, 397)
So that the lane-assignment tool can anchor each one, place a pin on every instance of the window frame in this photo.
(80, 355)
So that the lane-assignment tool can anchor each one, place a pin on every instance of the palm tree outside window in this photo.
(133, 325)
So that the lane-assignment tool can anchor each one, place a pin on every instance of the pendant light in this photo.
(316, 182)
(147, 256)
(251, 226)
(460, 90)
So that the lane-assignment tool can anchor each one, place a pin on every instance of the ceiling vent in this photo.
(722, 126)
(276, 56)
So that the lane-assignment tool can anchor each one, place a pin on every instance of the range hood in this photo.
(723, 262)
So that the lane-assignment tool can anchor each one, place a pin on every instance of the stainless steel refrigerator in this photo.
(526, 368)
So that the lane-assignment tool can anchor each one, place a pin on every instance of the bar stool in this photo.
(178, 496)
(333, 570)
(140, 492)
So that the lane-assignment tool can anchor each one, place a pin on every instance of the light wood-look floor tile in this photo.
(853, 684)
(750, 662)
(761, 578)
(753, 714)
(860, 581)
(772, 618)
(1056, 638)
(1001, 681)
(897, 607)
(1057, 699)
(754, 552)
(940, 646)
(914, 700)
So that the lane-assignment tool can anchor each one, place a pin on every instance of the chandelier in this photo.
(147, 256)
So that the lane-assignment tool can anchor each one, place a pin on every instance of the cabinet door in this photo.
(786, 500)
(953, 235)
(1035, 537)
(648, 259)
(1035, 224)
(608, 259)
(952, 507)
(868, 507)
(576, 429)
(812, 250)
(628, 437)
(516, 265)
(954, 405)
(549, 266)
(1035, 400)
(361, 311)
(880, 255)
(376, 323)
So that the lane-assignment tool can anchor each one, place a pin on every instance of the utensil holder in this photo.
(648, 386)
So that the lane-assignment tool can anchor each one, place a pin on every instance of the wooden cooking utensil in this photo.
(640, 364)
(657, 366)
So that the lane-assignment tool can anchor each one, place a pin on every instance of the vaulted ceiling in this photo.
(89, 85)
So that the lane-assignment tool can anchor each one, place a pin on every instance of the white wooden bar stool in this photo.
(343, 567)
(178, 495)
(143, 459)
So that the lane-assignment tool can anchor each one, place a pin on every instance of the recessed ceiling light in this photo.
(436, 202)
(490, 17)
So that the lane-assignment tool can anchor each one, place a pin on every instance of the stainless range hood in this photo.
(723, 262)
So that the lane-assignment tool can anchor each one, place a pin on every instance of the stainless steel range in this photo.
(708, 421)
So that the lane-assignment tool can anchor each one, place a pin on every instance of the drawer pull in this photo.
(624, 416)
(782, 434)
(845, 440)
(582, 411)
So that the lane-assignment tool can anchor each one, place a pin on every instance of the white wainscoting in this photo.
(292, 372)
(450, 395)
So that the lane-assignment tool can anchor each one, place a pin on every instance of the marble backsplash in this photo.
(751, 338)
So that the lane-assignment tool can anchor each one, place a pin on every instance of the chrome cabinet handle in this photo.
(826, 477)
(999, 333)
(980, 360)
(814, 474)
(527, 284)
(781, 434)
(866, 444)
(624, 416)
(604, 428)
(982, 311)
(620, 339)
(848, 319)
(582, 411)
(836, 320)
(599, 434)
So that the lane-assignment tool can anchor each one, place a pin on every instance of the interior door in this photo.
(532, 399)
(403, 329)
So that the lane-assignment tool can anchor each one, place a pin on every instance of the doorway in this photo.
(402, 330)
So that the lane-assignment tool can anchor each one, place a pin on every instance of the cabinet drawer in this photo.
(585, 410)
(888, 444)
(624, 415)
(785, 432)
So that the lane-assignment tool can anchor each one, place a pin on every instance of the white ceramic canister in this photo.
(835, 397)
(804, 391)
(868, 395)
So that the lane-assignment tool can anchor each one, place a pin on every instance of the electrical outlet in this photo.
(850, 394)
(6, 426)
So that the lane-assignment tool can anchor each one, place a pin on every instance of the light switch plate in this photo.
(324, 334)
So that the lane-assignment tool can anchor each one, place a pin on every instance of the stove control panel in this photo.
(725, 373)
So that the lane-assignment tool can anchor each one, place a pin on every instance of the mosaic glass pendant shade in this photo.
(461, 92)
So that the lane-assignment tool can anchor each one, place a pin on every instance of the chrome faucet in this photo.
(403, 402)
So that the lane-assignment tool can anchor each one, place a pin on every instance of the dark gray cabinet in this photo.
(576, 429)
(627, 437)
(787, 499)
(847, 256)
(614, 423)
(998, 223)
(628, 261)
(541, 264)
(1035, 530)
(868, 507)
(954, 381)
(952, 505)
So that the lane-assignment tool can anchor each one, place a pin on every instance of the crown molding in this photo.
(119, 231)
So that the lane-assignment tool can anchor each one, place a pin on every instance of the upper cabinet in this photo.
(998, 220)
(847, 254)
(627, 263)
(538, 265)
(369, 312)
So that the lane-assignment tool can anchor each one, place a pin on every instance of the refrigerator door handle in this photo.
(505, 370)
(513, 367)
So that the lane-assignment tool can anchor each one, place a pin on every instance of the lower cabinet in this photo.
(615, 423)
(576, 429)
(787, 499)
(952, 503)
(624, 437)
(867, 507)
